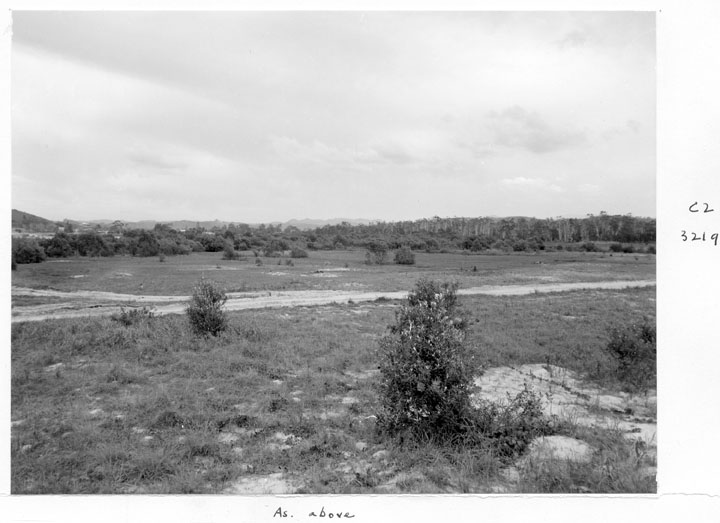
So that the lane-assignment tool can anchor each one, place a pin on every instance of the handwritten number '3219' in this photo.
(713, 237)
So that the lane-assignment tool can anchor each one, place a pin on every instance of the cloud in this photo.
(524, 182)
(327, 114)
(573, 39)
(148, 159)
(532, 183)
(393, 153)
(518, 128)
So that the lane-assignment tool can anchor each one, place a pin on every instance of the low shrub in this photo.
(297, 252)
(616, 247)
(501, 245)
(205, 310)
(376, 252)
(130, 317)
(511, 427)
(520, 246)
(229, 252)
(634, 349)
(404, 256)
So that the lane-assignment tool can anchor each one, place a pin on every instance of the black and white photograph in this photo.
(334, 252)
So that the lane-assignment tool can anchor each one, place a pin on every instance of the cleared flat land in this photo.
(327, 270)
(285, 400)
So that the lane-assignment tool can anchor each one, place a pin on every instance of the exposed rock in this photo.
(564, 395)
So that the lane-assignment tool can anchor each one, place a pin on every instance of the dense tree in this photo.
(59, 246)
(27, 250)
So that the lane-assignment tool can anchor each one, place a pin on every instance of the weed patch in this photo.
(635, 351)
(205, 311)
(128, 317)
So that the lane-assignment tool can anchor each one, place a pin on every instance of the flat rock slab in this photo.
(565, 395)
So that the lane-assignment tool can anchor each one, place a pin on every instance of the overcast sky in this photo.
(259, 117)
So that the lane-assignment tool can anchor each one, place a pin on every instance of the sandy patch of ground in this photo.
(566, 396)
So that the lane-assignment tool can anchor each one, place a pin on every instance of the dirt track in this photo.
(97, 303)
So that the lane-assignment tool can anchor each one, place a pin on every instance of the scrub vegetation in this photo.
(137, 403)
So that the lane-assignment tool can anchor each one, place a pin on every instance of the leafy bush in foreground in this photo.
(427, 381)
(635, 350)
(427, 371)
(205, 310)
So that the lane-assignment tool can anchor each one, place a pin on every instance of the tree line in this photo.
(432, 235)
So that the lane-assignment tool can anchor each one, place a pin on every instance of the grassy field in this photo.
(286, 398)
(335, 270)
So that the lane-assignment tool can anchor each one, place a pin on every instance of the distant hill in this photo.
(27, 222)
